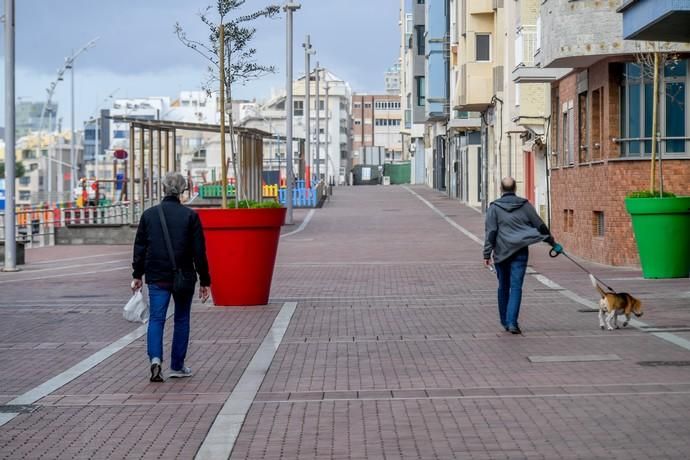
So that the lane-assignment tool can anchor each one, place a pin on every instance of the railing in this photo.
(303, 197)
(36, 227)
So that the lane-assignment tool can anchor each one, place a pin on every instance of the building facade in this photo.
(330, 122)
(376, 124)
(601, 127)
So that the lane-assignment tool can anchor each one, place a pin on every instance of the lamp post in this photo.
(318, 122)
(10, 217)
(290, 7)
(308, 52)
(69, 64)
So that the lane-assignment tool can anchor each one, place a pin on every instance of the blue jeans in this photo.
(159, 299)
(511, 274)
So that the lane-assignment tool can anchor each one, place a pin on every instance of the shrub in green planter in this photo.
(650, 194)
(251, 204)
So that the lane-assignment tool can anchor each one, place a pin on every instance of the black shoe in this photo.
(156, 372)
(514, 330)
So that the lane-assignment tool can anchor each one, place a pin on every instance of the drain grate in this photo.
(588, 310)
(664, 363)
(17, 409)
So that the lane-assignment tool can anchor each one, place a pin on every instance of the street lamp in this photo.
(308, 52)
(290, 7)
(69, 64)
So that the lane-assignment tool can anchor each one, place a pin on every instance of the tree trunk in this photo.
(655, 115)
(223, 165)
(233, 151)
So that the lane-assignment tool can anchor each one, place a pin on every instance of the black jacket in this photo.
(150, 251)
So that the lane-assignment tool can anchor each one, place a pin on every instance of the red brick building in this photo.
(600, 135)
(377, 123)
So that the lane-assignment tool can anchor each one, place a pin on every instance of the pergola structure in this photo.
(152, 154)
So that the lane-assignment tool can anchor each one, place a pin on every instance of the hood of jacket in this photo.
(510, 202)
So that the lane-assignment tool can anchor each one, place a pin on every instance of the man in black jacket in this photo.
(152, 259)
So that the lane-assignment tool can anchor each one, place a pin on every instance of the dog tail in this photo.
(596, 285)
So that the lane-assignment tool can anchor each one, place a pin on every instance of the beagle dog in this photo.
(613, 304)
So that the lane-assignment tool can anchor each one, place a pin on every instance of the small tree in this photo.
(653, 59)
(19, 169)
(232, 61)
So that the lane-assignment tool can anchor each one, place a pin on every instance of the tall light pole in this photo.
(290, 7)
(318, 122)
(328, 141)
(308, 51)
(10, 218)
(69, 62)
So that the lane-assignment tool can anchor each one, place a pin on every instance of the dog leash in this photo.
(558, 250)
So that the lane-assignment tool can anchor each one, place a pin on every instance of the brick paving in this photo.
(394, 351)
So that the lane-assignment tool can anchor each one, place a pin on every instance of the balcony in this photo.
(656, 20)
(480, 6)
(526, 47)
(474, 87)
(579, 34)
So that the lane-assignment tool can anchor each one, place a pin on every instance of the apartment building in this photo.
(330, 123)
(376, 124)
(35, 152)
(599, 140)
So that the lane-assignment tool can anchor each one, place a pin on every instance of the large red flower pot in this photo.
(241, 246)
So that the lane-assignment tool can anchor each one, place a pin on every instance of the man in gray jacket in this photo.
(512, 225)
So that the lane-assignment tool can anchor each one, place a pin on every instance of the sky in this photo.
(137, 53)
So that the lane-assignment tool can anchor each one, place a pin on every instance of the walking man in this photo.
(512, 225)
(169, 250)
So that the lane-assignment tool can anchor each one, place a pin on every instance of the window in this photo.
(568, 220)
(357, 105)
(119, 134)
(367, 105)
(322, 104)
(24, 195)
(419, 34)
(582, 127)
(421, 91)
(568, 135)
(596, 128)
(636, 109)
(483, 47)
(598, 228)
(358, 122)
(200, 154)
(298, 108)
(26, 180)
(420, 2)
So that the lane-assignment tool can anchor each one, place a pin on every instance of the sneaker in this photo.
(184, 372)
(156, 371)
(514, 330)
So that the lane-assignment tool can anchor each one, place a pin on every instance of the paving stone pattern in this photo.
(394, 351)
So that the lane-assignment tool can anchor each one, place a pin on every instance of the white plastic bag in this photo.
(136, 310)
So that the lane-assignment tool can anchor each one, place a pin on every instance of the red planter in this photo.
(241, 246)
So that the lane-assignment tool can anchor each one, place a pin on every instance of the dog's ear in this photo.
(637, 306)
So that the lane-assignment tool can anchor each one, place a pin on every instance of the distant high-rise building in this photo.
(29, 117)
(392, 78)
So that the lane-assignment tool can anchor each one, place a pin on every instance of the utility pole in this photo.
(318, 122)
(10, 218)
(308, 51)
(290, 7)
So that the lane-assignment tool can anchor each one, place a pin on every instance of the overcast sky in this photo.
(139, 55)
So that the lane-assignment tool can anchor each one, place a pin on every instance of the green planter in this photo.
(662, 232)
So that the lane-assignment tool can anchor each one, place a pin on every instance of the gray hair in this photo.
(174, 184)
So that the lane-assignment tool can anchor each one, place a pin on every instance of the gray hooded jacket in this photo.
(512, 224)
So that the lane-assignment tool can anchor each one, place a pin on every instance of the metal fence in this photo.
(36, 227)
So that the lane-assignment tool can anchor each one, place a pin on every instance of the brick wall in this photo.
(578, 191)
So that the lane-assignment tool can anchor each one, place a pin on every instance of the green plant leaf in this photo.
(650, 194)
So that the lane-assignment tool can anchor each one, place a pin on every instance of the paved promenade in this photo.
(381, 341)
